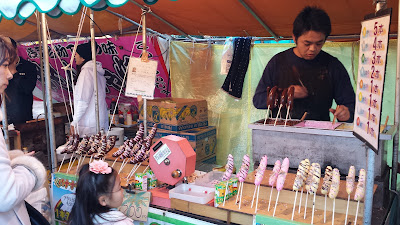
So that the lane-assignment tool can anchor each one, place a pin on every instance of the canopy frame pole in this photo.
(260, 21)
(39, 21)
(96, 91)
(49, 98)
(5, 121)
(395, 156)
(164, 21)
(137, 24)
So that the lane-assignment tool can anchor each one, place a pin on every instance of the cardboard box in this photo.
(203, 140)
(175, 114)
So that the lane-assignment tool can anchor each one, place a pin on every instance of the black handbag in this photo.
(35, 216)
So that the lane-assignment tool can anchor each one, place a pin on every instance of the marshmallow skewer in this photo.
(272, 179)
(314, 185)
(301, 175)
(326, 186)
(228, 173)
(259, 176)
(281, 180)
(244, 169)
(360, 191)
(333, 192)
(351, 176)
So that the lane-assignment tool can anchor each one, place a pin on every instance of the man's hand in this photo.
(300, 91)
(341, 112)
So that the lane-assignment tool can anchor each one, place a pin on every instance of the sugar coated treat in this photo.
(335, 184)
(275, 172)
(259, 176)
(285, 165)
(350, 179)
(326, 184)
(360, 191)
(316, 178)
(244, 169)
(229, 168)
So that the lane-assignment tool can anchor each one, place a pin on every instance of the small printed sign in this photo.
(162, 154)
(141, 78)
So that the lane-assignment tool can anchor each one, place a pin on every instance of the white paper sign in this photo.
(141, 78)
(162, 153)
(371, 77)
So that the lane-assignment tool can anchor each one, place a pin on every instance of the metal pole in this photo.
(144, 56)
(96, 93)
(164, 21)
(395, 156)
(39, 21)
(5, 122)
(369, 187)
(48, 94)
(137, 24)
(259, 20)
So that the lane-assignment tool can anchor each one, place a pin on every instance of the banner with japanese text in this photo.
(114, 55)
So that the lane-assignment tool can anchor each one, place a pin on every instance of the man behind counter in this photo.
(317, 77)
(19, 97)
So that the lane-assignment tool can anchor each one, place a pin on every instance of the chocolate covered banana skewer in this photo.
(301, 176)
(326, 186)
(350, 178)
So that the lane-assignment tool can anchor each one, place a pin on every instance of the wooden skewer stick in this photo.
(226, 190)
(254, 195)
(114, 162)
(334, 116)
(301, 196)
(276, 203)
(303, 117)
(237, 196)
(294, 204)
(270, 197)
(347, 209)
(241, 194)
(313, 207)
(62, 162)
(287, 114)
(279, 111)
(355, 220)
(266, 116)
(122, 166)
(305, 206)
(333, 212)
(384, 126)
(325, 210)
(258, 193)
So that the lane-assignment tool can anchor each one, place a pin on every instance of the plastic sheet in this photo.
(195, 73)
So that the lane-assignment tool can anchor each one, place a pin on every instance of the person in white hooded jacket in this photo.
(19, 174)
(84, 119)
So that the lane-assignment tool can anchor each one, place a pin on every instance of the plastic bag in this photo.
(227, 56)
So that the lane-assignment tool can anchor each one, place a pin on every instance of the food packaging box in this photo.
(141, 181)
(63, 187)
(192, 193)
(203, 140)
(175, 114)
(151, 179)
(220, 189)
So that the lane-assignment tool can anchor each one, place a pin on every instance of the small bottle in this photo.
(121, 118)
(129, 118)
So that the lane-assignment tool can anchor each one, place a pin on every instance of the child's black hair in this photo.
(311, 19)
(89, 188)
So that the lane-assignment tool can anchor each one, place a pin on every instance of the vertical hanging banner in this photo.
(371, 76)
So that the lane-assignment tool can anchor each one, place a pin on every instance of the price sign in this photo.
(371, 76)
(136, 205)
(141, 78)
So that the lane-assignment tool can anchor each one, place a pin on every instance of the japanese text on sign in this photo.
(370, 82)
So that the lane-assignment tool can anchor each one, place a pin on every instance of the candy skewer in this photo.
(313, 207)
(62, 162)
(258, 193)
(294, 205)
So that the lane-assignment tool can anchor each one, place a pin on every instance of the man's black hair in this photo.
(312, 18)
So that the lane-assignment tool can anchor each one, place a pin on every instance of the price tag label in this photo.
(162, 153)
